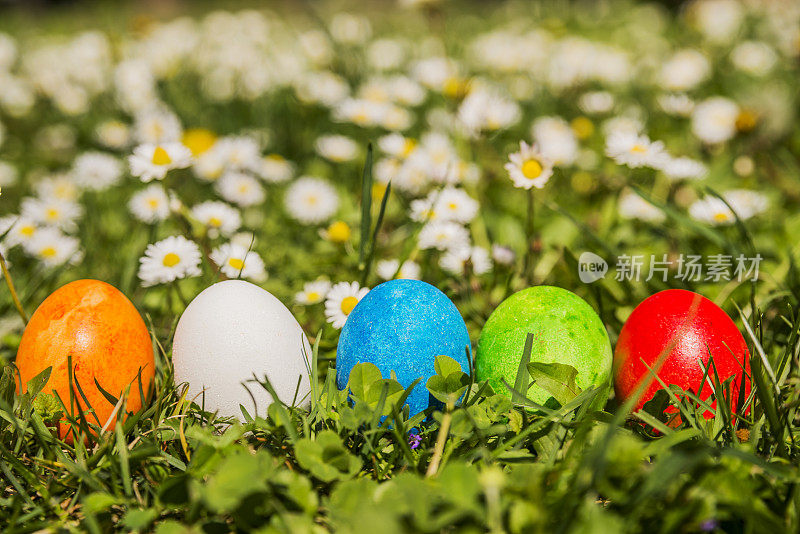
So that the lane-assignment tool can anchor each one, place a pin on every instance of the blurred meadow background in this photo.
(319, 148)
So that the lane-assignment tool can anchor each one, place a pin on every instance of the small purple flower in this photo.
(414, 440)
(708, 525)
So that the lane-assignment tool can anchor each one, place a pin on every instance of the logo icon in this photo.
(591, 267)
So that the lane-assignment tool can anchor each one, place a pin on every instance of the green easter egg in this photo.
(565, 330)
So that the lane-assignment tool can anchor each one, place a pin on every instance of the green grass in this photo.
(486, 464)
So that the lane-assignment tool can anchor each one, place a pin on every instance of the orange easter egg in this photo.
(95, 324)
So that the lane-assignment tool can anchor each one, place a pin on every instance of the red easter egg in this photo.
(679, 329)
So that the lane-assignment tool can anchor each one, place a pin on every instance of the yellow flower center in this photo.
(156, 130)
(27, 231)
(409, 147)
(243, 188)
(312, 200)
(236, 263)
(215, 222)
(746, 120)
(361, 117)
(453, 87)
(638, 149)
(171, 260)
(348, 303)
(378, 190)
(531, 169)
(153, 203)
(453, 206)
(721, 217)
(313, 296)
(52, 213)
(339, 232)
(376, 94)
(582, 126)
(160, 157)
(274, 157)
(48, 252)
(198, 140)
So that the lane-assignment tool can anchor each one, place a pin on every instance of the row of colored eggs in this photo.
(234, 334)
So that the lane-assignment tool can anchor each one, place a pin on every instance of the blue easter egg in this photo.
(402, 326)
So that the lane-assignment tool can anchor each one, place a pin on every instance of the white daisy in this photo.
(449, 204)
(391, 269)
(455, 260)
(60, 186)
(150, 205)
(336, 148)
(632, 206)
(241, 189)
(153, 162)
(754, 57)
(8, 174)
(503, 255)
(714, 119)
(634, 150)
(311, 200)
(239, 153)
(56, 212)
(324, 87)
(218, 216)
(556, 140)
(157, 127)
(683, 168)
(275, 169)
(528, 167)
(712, 210)
(113, 134)
(340, 301)
(20, 230)
(678, 104)
(684, 70)
(96, 170)
(235, 261)
(168, 260)
(622, 124)
(595, 102)
(746, 203)
(443, 235)
(209, 165)
(313, 292)
(396, 145)
(52, 247)
(484, 109)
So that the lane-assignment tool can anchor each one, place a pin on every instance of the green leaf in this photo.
(394, 392)
(445, 365)
(236, 477)
(99, 502)
(449, 383)
(366, 206)
(38, 382)
(362, 376)
(557, 379)
(138, 520)
(48, 408)
(522, 381)
(326, 458)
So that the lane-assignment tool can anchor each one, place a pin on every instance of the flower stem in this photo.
(441, 440)
(10, 284)
(530, 234)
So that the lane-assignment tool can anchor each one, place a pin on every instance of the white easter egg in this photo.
(231, 332)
